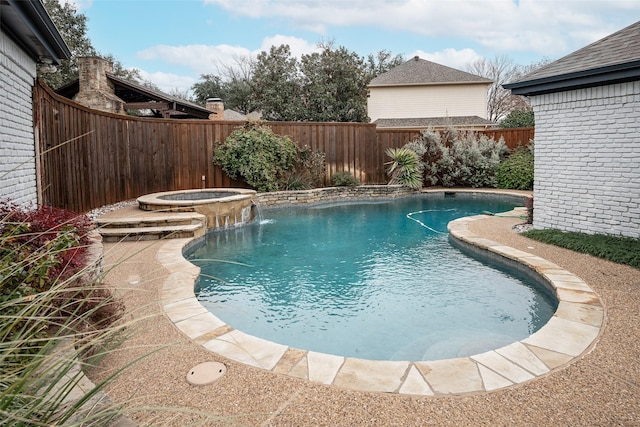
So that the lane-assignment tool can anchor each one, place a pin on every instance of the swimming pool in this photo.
(373, 280)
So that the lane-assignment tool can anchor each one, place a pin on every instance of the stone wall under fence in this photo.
(330, 194)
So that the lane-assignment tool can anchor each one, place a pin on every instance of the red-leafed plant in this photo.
(28, 234)
(43, 247)
(55, 315)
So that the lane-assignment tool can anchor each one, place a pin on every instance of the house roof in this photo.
(613, 59)
(426, 122)
(233, 115)
(139, 97)
(418, 71)
(29, 25)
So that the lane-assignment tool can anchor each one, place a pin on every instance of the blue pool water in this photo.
(374, 280)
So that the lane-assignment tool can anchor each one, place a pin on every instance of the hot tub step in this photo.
(152, 233)
(152, 220)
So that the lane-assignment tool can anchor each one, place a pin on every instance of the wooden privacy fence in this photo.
(88, 158)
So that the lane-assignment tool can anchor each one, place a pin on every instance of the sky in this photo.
(174, 42)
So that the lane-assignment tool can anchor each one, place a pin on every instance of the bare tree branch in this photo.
(501, 70)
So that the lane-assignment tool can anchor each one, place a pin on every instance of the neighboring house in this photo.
(27, 37)
(98, 88)
(419, 94)
(587, 146)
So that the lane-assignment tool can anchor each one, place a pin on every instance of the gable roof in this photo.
(418, 71)
(613, 59)
(139, 97)
(29, 25)
(131, 92)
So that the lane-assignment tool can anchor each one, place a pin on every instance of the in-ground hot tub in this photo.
(223, 207)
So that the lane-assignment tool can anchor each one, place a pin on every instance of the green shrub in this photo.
(256, 154)
(344, 179)
(518, 119)
(516, 171)
(459, 158)
(405, 167)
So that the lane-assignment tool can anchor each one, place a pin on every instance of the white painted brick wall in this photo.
(17, 149)
(587, 160)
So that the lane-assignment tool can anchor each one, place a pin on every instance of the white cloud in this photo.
(545, 27)
(497, 26)
(297, 45)
(450, 57)
(206, 59)
(168, 82)
(201, 59)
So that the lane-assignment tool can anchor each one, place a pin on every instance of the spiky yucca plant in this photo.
(404, 168)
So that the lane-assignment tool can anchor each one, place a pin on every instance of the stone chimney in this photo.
(96, 91)
(216, 107)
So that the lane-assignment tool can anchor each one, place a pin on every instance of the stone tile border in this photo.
(572, 331)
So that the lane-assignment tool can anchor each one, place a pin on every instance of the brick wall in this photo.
(17, 148)
(587, 160)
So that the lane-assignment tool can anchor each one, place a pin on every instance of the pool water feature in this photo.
(222, 207)
(373, 280)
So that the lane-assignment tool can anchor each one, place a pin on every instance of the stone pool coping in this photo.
(570, 333)
(155, 201)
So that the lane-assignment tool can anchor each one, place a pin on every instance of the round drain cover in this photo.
(206, 373)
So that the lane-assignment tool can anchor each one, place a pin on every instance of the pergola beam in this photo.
(146, 106)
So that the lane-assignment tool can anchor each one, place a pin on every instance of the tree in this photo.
(334, 86)
(502, 70)
(209, 86)
(72, 26)
(276, 85)
(330, 85)
(232, 84)
(380, 63)
(237, 84)
(73, 29)
(239, 96)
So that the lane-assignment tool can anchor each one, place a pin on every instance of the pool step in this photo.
(152, 226)
(152, 219)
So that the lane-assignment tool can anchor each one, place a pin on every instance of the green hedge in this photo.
(516, 171)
